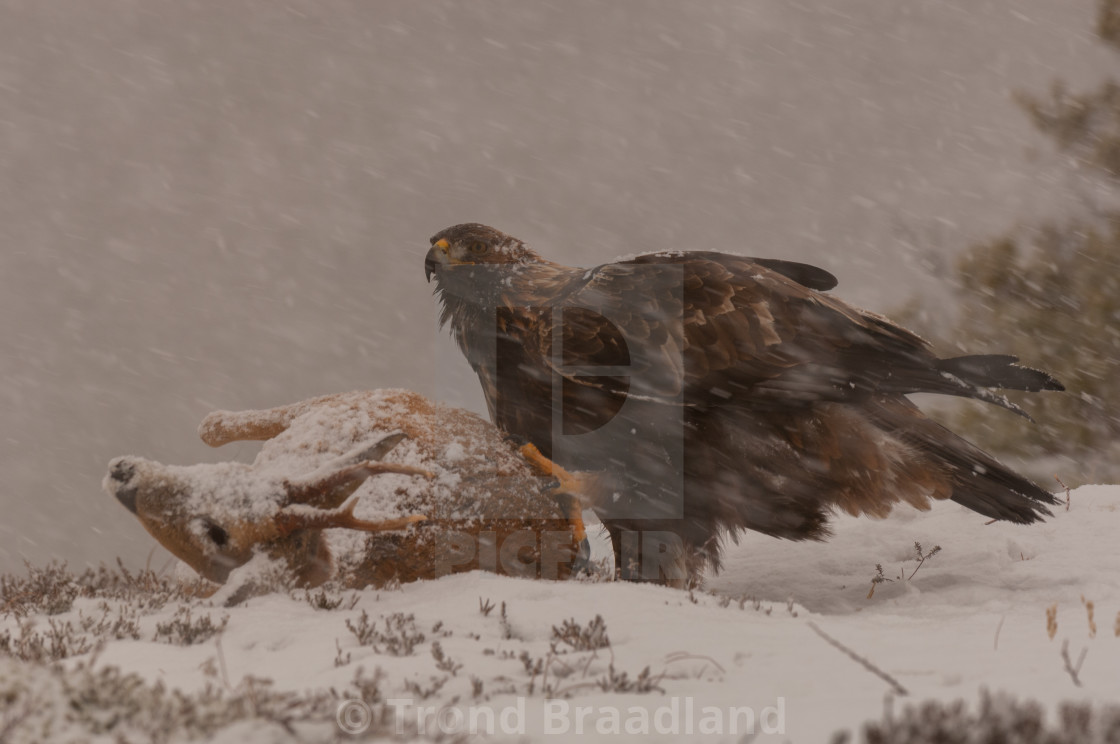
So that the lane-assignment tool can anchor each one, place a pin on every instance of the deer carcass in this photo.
(365, 488)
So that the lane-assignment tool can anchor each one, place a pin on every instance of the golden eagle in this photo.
(712, 393)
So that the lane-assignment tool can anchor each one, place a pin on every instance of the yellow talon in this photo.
(566, 492)
(573, 512)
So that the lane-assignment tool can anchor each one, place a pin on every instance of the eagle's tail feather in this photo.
(979, 481)
(985, 485)
(976, 376)
(998, 371)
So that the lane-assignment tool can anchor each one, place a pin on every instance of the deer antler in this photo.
(300, 517)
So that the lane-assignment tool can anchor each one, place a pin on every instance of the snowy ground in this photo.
(974, 616)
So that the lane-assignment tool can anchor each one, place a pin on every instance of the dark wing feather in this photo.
(806, 275)
(693, 328)
(711, 328)
(622, 317)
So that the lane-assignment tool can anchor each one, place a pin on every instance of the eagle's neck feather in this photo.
(472, 298)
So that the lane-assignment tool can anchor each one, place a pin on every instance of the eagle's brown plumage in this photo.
(739, 396)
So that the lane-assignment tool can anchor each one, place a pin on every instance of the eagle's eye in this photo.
(478, 248)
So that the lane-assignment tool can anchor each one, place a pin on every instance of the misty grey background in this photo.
(225, 204)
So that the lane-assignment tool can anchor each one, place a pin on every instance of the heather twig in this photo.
(860, 660)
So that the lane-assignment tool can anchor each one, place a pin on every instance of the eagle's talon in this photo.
(566, 491)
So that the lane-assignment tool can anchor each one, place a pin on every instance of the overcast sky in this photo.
(226, 204)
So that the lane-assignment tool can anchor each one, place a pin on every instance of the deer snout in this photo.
(119, 482)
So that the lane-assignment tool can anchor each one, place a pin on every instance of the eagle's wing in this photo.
(700, 327)
(807, 275)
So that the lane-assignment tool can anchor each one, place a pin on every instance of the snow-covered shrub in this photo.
(1000, 718)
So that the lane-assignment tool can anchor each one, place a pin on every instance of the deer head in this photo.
(213, 517)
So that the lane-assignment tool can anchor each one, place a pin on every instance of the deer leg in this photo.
(299, 517)
(375, 450)
(331, 485)
(223, 427)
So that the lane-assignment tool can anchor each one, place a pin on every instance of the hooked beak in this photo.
(437, 256)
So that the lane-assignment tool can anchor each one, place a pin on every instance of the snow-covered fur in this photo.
(364, 487)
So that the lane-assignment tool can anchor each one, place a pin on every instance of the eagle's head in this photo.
(472, 244)
(479, 269)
